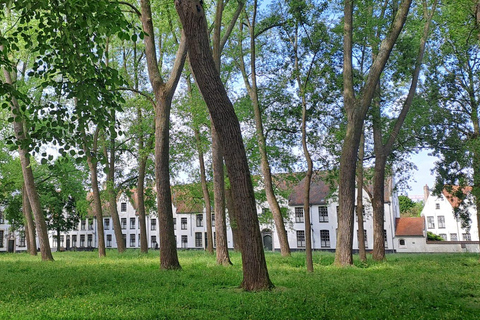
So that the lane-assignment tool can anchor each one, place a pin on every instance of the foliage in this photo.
(433, 237)
(410, 208)
(131, 286)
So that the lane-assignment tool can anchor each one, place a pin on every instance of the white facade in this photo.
(440, 220)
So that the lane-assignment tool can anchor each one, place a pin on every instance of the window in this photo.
(62, 240)
(299, 215)
(2, 220)
(123, 207)
(184, 241)
(74, 240)
(443, 236)
(153, 240)
(300, 238)
(184, 224)
(453, 237)
(132, 240)
(401, 242)
(153, 224)
(467, 236)
(106, 223)
(1, 238)
(199, 220)
(22, 239)
(441, 222)
(82, 240)
(89, 240)
(325, 238)
(437, 206)
(83, 224)
(213, 218)
(90, 224)
(174, 223)
(430, 222)
(385, 238)
(132, 223)
(198, 239)
(109, 240)
(124, 223)
(322, 214)
(364, 237)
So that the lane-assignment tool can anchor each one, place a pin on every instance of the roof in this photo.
(409, 226)
(450, 191)
(319, 191)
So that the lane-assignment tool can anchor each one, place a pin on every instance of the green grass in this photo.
(78, 285)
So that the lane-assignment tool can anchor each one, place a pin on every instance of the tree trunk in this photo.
(30, 226)
(163, 96)
(141, 201)
(112, 195)
(223, 257)
(379, 208)
(206, 195)
(97, 203)
(233, 220)
(361, 234)
(264, 163)
(192, 16)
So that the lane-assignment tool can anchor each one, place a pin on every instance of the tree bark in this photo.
(97, 202)
(163, 96)
(264, 162)
(30, 226)
(361, 235)
(356, 110)
(206, 195)
(192, 16)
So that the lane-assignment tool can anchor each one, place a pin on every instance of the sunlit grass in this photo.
(79, 285)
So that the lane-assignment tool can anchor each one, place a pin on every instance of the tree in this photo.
(452, 93)
(163, 92)
(356, 108)
(192, 16)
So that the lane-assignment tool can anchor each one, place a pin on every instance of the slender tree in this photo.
(192, 16)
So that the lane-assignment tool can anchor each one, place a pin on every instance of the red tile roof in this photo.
(450, 191)
(410, 226)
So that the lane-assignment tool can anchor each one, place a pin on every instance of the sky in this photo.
(423, 175)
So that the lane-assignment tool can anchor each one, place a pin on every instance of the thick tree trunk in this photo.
(206, 195)
(379, 208)
(192, 16)
(264, 163)
(361, 234)
(30, 226)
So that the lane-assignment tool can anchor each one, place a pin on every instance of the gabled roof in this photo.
(319, 192)
(409, 226)
(450, 194)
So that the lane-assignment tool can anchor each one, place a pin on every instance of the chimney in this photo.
(426, 193)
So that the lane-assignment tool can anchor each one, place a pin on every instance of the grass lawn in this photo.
(78, 285)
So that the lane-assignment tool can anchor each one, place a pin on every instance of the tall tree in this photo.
(192, 16)
(356, 108)
(163, 92)
(251, 85)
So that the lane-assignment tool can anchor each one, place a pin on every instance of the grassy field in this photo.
(78, 285)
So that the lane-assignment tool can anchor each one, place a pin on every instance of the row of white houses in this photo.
(401, 234)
